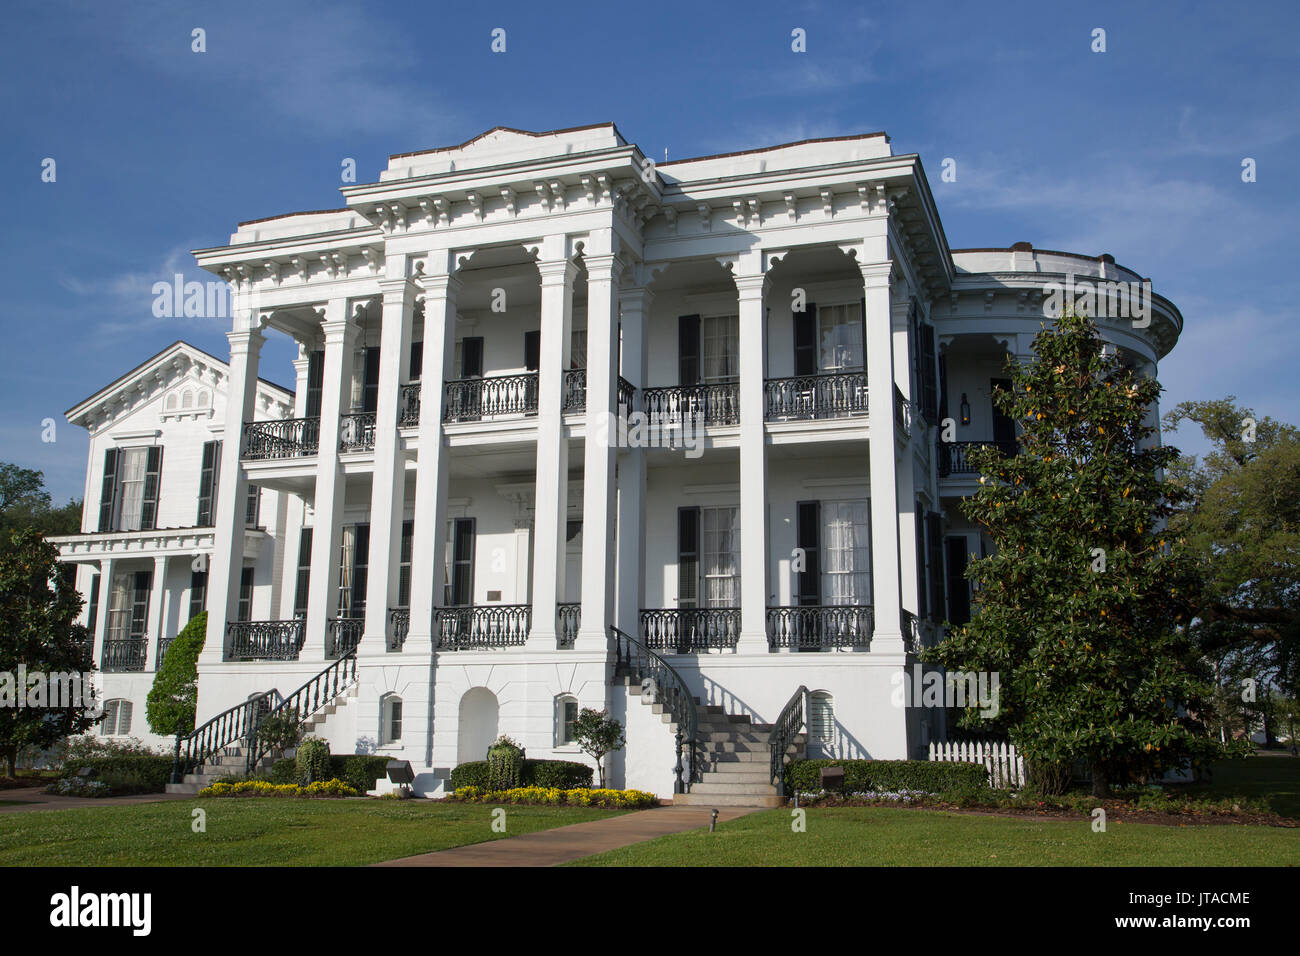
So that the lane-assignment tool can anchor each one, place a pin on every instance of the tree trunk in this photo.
(600, 766)
(11, 761)
(1100, 781)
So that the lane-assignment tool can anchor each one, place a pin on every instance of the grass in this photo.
(871, 836)
(262, 832)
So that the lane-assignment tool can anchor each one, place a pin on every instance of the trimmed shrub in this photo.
(283, 771)
(505, 764)
(359, 771)
(561, 774)
(544, 796)
(930, 776)
(169, 708)
(261, 788)
(125, 773)
(313, 760)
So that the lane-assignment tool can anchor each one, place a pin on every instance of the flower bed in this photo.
(261, 788)
(553, 796)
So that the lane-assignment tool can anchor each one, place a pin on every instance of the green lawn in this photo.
(871, 836)
(262, 832)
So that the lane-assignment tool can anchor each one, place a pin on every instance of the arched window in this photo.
(390, 719)
(117, 718)
(187, 399)
(566, 712)
(821, 716)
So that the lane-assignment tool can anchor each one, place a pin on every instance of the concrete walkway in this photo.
(551, 847)
(35, 798)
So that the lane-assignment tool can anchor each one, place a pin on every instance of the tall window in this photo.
(719, 348)
(839, 338)
(119, 609)
(303, 585)
(390, 710)
(129, 490)
(720, 556)
(252, 506)
(578, 349)
(566, 714)
(134, 461)
(458, 588)
(353, 567)
(92, 608)
(116, 721)
(198, 592)
(404, 565)
(208, 470)
(846, 552)
(245, 612)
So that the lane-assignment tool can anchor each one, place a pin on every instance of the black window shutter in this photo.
(245, 610)
(198, 592)
(360, 570)
(152, 484)
(108, 489)
(922, 595)
(471, 357)
(92, 619)
(140, 604)
(688, 557)
(370, 385)
(303, 585)
(934, 548)
(1004, 428)
(688, 349)
(315, 381)
(533, 350)
(805, 341)
(809, 540)
(417, 361)
(929, 384)
(462, 576)
(207, 484)
(943, 387)
(958, 588)
(404, 565)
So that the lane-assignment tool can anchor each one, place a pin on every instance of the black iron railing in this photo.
(567, 619)
(408, 406)
(265, 640)
(304, 702)
(714, 404)
(399, 625)
(690, 630)
(575, 390)
(286, 438)
(626, 394)
(911, 631)
(833, 395)
(954, 460)
(815, 627)
(656, 676)
(343, 634)
(357, 431)
(471, 399)
(787, 726)
(227, 728)
(163, 646)
(124, 655)
(486, 625)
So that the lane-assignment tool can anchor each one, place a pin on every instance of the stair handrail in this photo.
(221, 731)
(788, 724)
(306, 700)
(671, 691)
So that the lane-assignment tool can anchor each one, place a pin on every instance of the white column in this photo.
(883, 457)
(107, 568)
(634, 308)
(752, 290)
(154, 631)
(552, 475)
(327, 534)
(907, 543)
(232, 490)
(388, 487)
(430, 513)
(598, 544)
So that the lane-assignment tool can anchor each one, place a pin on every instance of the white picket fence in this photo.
(1006, 767)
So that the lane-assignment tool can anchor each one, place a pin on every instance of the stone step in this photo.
(694, 799)
(715, 787)
(726, 773)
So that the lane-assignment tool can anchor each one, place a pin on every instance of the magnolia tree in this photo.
(598, 735)
(1083, 607)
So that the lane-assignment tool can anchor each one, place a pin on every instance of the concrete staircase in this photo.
(732, 753)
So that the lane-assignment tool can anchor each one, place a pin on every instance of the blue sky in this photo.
(1136, 151)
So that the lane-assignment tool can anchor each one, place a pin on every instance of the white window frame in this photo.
(387, 738)
(719, 578)
(719, 348)
(846, 552)
(131, 487)
(562, 723)
(112, 720)
(840, 337)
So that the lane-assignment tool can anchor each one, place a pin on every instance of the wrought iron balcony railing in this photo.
(473, 399)
(123, 655)
(286, 438)
(833, 395)
(911, 632)
(714, 404)
(399, 625)
(818, 626)
(575, 390)
(343, 634)
(266, 640)
(357, 431)
(626, 394)
(690, 630)
(475, 626)
(953, 455)
(408, 406)
(567, 619)
(163, 646)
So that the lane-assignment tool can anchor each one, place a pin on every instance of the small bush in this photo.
(125, 773)
(359, 771)
(561, 774)
(262, 788)
(313, 760)
(860, 776)
(282, 771)
(280, 731)
(550, 796)
(505, 764)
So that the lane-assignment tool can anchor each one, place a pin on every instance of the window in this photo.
(578, 349)
(846, 552)
(404, 565)
(198, 592)
(719, 348)
(245, 612)
(252, 506)
(128, 608)
(134, 461)
(315, 382)
(458, 582)
(129, 490)
(839, 338)
(353, 566)
(390, 710)
(302, 586)
(116, 721)
(821, 717)
(208, 472)
(92, 608)
(469, 357)
(708, 557)
(566, 713)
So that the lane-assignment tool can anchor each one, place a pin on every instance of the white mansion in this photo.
(681, 456)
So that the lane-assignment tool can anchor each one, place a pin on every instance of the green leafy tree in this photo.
(24, 503)
(173, 699)
(1082, 610)
(38, 631)
(598, 734)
